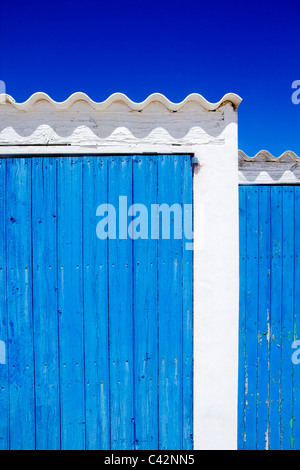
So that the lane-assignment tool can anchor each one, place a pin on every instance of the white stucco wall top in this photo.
(265, 156)
(116, 125)
(120, 97)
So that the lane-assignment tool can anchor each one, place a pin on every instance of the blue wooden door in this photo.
(97, 332)
(269, 380)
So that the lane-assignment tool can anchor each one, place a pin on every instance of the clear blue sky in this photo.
(175, 48)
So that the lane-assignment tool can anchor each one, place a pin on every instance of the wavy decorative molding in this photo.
(232, 98)
(264, 168)
(265, 156)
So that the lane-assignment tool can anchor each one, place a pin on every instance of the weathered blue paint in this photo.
(145, 298)
(45, 302)
(296, 394)
(20, 304)
(4, 378)
(264, 246)
(98, 332)
(187, 320)
(96, 316)
(121, 313)
(269, 393)
(170, 315)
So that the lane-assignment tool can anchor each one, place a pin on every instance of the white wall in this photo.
(195, 126)
(265, 168)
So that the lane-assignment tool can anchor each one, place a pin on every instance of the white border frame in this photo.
(156, 128)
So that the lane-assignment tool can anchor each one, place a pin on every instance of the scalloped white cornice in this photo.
(265, 156)
(232, 98)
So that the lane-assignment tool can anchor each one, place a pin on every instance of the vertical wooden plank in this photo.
(264, 272)
(251, 318)
(187, 313)
(45, 303)
(276, 306)
(277, 278)
(19, 304)
(95, 306)
(121, 311)
(296, 397)
(145, 309)
(287, 323)
(243, 286)
(70, 289)
(4, 378)
(170, 312)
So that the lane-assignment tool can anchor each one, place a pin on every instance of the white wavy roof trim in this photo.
(120, 97)
(266, 156)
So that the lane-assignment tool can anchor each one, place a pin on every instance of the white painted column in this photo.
(216, 292)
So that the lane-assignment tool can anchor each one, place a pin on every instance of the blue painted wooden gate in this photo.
(269, 382)
(98, 333)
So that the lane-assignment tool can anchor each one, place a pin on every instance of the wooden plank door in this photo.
(98, 333)
(269, 393)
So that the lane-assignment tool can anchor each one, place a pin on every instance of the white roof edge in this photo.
(232, 98)
(266, 156)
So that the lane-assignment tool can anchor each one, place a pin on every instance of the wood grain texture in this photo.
(187, 305)
(70, 303)
(145, 298)
(19, 304)
(117, 129)
(44, 269)
(4, 368)
(96, 331)
(242, 320)
(170, 313)
(251, 318)
(263, 327)
(212, 138)
(121, 313)
(99, 333)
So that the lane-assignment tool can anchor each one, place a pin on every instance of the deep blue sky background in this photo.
(176, 48)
